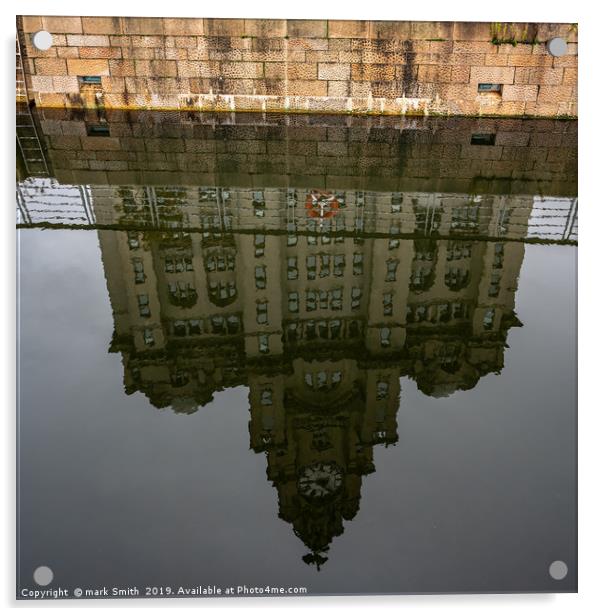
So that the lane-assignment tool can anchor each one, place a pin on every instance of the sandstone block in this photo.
(101, 25)
(310, 28)
(308, 88)
(496, 59)
(554, 94)
(88, 40)
(63, 25)
(31, 23)
(570, 76)
(87, 67)
(142, 25)
(491, 74)
(546, 76)
(265, 28)
(184, 26)
(370, 72)
(164, 68)
(474, 47)
(100, 52)
(241, 70)
(67, 52)
(530, 60)
(122, 68)
(225, 27)
(338, 88)
(67, 84)
(50, 66)
(348, 28)
(334, 71)
(519, 93)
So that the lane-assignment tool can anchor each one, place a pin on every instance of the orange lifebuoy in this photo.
(321, 204)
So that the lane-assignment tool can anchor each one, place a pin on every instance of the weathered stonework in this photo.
(334, 66)
(526, 156)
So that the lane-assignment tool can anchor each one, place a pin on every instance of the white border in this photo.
(590, 423)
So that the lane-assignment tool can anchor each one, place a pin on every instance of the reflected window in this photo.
(356, 298)
(498, 255)
(262, 313)
(139, 275)
(323, 295)
(338, 265)
(382, 390)
(394, 242)
(218, 324)
(263, 343)
(293, 302)
(494, 285)
(444, 313)
(143, 307)
(222, 293)
(385, 337)
(321, 379)
(260, 277)
(292, 332)
(324, 266)
(488, 319)
(336, 299)
(387, 304)
(310, 301)
(291, 239)
(149, 338)
(265, 397)
(465, 219)
(233, 324)
(310, 264)
(335, 329)
(458, 250)
(179, 328)
(133, 240)
(323, 330)
(258, 203)
(292, 272)
(259, 243)
(358, 264)
(456, 278)
(391, 269)
(396, 201)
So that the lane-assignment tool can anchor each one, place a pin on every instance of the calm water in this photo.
(364, 383)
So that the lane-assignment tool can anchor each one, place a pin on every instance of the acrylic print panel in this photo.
(270, 337)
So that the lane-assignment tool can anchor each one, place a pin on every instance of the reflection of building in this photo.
(319, 305)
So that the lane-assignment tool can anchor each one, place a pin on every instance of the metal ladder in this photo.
(27, 134)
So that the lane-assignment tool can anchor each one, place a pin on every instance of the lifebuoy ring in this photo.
(321, 204)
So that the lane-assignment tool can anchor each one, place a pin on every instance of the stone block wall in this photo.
(302, 65)
(527, 156)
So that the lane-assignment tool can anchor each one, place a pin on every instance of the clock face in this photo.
(320, 480)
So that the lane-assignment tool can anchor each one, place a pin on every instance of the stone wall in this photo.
(526, 156)
(302, 65)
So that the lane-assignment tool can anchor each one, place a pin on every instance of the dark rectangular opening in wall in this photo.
(483, 139)
(97, 130)
(490, 87)
(89, 80)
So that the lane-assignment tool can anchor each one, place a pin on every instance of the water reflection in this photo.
(320, 328)
(319, 299)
